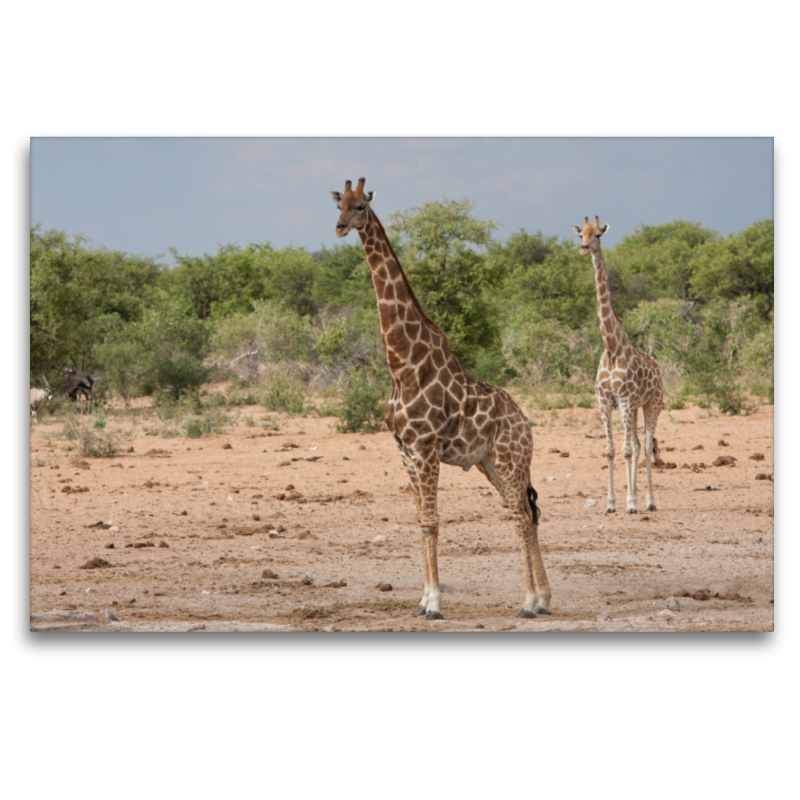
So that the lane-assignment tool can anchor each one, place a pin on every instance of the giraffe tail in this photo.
(656, 454)
(532, 498)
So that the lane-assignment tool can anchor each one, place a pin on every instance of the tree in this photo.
(451, 279)
(657, 261)
(545, 274)
(742, 264)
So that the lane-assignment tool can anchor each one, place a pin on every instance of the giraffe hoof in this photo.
(433, 615)
(651, 507)
(420, 611)
(611, 511)
(632, 511)
(540, 610)
(525, 614)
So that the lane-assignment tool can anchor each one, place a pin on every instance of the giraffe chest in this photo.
(632, 379)
(458, 424)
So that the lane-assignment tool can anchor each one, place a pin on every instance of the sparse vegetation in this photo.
(286, 324)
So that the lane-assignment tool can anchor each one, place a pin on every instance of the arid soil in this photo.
(306, 529)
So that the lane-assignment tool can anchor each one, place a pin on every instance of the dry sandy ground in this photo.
(190, 549)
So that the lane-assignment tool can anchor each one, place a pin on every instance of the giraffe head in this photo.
(353, 205)
(590, 235)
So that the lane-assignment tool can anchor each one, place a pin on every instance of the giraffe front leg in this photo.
(427, 474)
(650, 449)
(628, 449)
(605, 415)
(413, 480)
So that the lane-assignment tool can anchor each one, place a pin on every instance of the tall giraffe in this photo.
(438, 413)
(626, 379)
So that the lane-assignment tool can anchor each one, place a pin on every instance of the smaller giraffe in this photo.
(626, 379)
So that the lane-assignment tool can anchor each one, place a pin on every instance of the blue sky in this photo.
(145, 195)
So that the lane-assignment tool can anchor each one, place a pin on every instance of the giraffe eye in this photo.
(361, 207)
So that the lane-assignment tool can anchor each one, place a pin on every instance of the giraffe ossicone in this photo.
(439, 414)
(627, 379)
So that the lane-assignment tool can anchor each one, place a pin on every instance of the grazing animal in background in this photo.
(38, 396)
(439, 414)
(80, 384)
(626, 379)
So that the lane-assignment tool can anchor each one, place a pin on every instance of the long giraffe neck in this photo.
(408, 334)
(614, 336)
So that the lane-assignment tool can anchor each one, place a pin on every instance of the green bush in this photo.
(362, 404)
(284, 392)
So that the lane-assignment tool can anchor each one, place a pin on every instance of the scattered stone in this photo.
(707, 489)
(724, 461)
(698, 447)
(667, 614)
(227, 446)
(289, 487)
(553, 450)
(605, 617)
(102, 525)
(384, 587)
(361, 447)
(110, 617)
(331, 629)
(565, 454)
(273, 534)
(756, 457)
(672, 603)
(345, 458)
(385, 473)
(162, 543)
(268, 573)
(336, 585)
(589, 503)
(109, 546)
(551, 477)
(90, 591)
(762, 476)
(381, 538)
(96, 563)
(723, 443)
(700, 595)
(129, 450)
(205, 591)
(114, 528)
(256, 518)
(201, 627)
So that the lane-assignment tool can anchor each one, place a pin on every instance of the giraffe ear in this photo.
(336, 197)
(604, 229)
(577, 230)
(370, 196)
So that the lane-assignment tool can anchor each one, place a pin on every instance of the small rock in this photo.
(109, 546)
(385, 473)
(553, 450)
(590, 503)
(722, 443)
(289, 487)
(762, 476)
(184, 513)
(667, 614)
(162, 543)
(331, 629)
(256, 518)
(110, 617)
(756, 457)
(361, 447)
(114, 528)
(672, 603)
(385, 587)
(605, 617)
(268, 573)
(95, 563)
(205, 591)
(227, 446)
(551, 477)
(381, 538)
(90, 591)
(565, 454)
(700, 595)
(273, 534)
